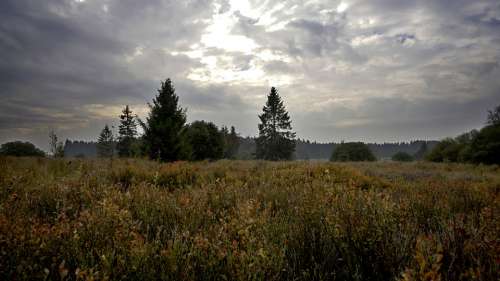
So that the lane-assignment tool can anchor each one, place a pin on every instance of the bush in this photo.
(205, 141)
(402, 157)
(352, 151)
(18, 148)
(445, 151)
(481, 147)
(454, 150)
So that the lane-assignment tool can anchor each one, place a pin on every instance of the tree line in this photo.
(167, 137)
(477, 146)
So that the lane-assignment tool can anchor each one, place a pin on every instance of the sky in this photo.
(373, 71)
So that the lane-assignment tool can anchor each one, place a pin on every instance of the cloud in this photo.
(368, 70)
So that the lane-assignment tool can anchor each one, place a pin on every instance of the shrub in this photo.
(352, 151)
(18, 148)
(402, 157)
(205, 141)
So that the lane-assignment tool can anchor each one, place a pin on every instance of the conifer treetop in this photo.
(276, 140)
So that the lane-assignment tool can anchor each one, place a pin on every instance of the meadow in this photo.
(84, 219)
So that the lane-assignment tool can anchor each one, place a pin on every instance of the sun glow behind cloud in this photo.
(219, 36)
(342, 7)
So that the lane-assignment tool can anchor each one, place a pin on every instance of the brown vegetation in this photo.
(237, 220)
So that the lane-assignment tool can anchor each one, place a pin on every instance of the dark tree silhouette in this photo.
(205, 140)
(163, 131)
(485, 147)
(276, 141)
(454, 149)
(127, 132)
(494, 116)
(105, 143)
(18, 148)
(352, 151)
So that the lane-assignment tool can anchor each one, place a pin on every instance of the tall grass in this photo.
(237, 220)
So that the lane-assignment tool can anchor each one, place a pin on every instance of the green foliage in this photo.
(481, 147)
(247, 220)
(205, 141)
(446, 150)
(127, 132)
(454, 150)
(485, 147)
(164, 138)
(352, 151)
(137, 147)
(276, 141)
(402, 157)
(18, 148)
(106, 143)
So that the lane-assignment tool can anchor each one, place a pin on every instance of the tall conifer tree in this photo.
(164, 138)
(105, 143)
(234, 143)
(276, 141)
(127, 132)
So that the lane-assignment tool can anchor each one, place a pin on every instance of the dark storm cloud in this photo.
(376, 70)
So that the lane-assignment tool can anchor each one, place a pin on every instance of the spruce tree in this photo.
(105, 143)
(234, 143)
(164, 128)
(276, 141)
(225, 136)
(127, 132)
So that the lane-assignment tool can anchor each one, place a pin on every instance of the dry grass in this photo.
(237, 220)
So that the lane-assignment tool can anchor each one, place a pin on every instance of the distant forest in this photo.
(307, 150)
(80, 149)
(304, 150)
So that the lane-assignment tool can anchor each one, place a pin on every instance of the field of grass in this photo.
(247, 220)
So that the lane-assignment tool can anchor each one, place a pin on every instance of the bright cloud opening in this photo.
(342, 7)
